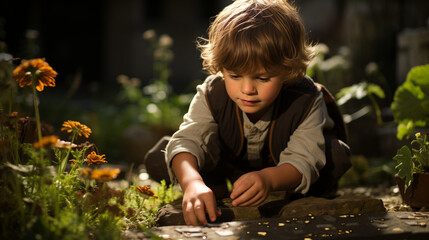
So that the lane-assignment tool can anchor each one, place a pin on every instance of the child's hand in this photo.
(197, 198)
(250, 189)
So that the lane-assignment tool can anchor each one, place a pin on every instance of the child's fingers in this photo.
(212, 209)
(189, 214)
(244, 197)
(252, 201)
(239, 187)
(199, 212)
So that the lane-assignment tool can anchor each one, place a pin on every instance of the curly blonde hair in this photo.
(249, 34)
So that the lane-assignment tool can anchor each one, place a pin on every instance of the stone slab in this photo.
(278, 206)
(340, 205)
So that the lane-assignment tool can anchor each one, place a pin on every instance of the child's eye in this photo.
(234, 76)
(264, 79)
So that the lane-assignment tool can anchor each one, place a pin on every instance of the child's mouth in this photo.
(248, 103)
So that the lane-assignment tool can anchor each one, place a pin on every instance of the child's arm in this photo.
(252, 188)
(197, 197)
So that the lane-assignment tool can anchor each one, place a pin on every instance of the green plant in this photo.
(359, 91)
(49, 188)
(410, 105)
(155, 104)
(368, 172)
(414, 160)
(329, 71)
(332, 72)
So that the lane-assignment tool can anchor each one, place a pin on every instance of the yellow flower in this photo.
(47, 141)
(146, 190)
(93, 158)
(44, 74)
(105, 174)
(77, 127)
(417, 134)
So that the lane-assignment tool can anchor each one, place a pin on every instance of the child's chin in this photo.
(248, 111)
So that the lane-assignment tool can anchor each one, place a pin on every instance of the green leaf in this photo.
(358, 91)
(411, 99)
(376, 90)
(421, 153)
(23, 169)
(419, 75)
(405, 128)
(310, 72)
(405, 165)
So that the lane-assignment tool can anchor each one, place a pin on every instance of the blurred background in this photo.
(128, 69)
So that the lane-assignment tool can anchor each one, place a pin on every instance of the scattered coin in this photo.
(224, 232)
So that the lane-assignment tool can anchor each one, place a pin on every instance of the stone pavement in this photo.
(344, 217)
(357, 213)
(387, 225)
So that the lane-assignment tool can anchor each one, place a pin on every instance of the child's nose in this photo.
(247, 86)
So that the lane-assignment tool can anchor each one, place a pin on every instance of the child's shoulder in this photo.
(214, 79)
(214, 85)
(305, 86)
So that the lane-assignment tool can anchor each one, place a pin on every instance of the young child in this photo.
(257, 119)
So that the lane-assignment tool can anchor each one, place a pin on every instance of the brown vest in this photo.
(290, 109)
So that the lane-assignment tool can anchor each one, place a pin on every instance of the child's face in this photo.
(253, 92)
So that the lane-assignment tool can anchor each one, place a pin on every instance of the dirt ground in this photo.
(389, 195)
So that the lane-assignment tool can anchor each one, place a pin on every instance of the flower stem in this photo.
(64, 160)
(36, 111)
(37, 115)
(11, 99)
(376, 109)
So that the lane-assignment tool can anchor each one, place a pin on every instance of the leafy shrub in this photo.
(50, 189)
(414, 160)
(410, 105)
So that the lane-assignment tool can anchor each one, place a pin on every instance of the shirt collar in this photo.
(263, 123)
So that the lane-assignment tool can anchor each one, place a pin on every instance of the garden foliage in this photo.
(414, 160)
(55, 189)
(154, 105)
(333, 72)
(410, 105)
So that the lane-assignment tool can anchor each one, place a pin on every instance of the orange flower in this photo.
(146, 190)
(105, 174)
(13, 115)
(93, 158)
(47, 141)
(86, 172)
(74, 161)
(44, 74)
(77, 127)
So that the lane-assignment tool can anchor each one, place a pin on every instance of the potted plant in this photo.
(411, 110)
(413, 172)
